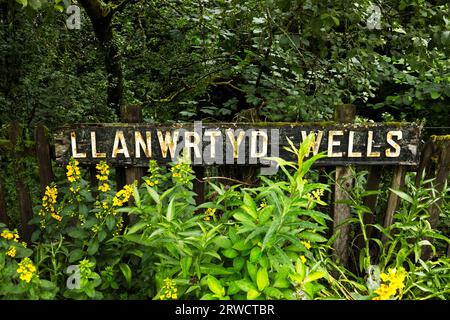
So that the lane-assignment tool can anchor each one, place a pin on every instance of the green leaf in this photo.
(245, 285)
(255, 254)
(273, 293)
(215, 286)
(93, 247)
(241, 245)
(110, 222)
(230, 253)
(215, 270)
(136, 227)
(238, 263)
(153, 194)
(252, 269)
(185, 264)
(76, 255)
(244, 218)
(281, 280)
(223, 242)
(435, 95)
(23, 2)
(170, 210)
(78, 234)
(402, 195)
(262, 279)
(252, 294)
(126, 271)
(314, 276)
(311, 236)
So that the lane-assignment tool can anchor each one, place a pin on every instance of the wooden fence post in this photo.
(343, 114)
(398, 180)
(43, 156)
(129, 114)
(23, 193)
(441, 155)
(370, 201)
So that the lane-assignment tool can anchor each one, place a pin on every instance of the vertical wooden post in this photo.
(132, 114)
(441, 148)
(43, 156)
(23, 193)
(343, 114)
(129, 114)
(398, 180)
(373, 183)
(199, 184)
(3, 213)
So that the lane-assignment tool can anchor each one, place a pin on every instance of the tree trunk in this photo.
(101, 18)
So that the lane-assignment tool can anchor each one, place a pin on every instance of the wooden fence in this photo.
(434, 162)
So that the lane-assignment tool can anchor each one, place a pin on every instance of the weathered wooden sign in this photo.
(237, 143)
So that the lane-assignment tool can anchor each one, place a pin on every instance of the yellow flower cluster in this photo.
(11, 252)
(154, 171)
(102, 176)
(315, 195)
(123, 196)
(73, 171)
(151, 181)
(307, 244)
(57, 217)
(10, 235)
(303, 259)
(49, 201)
(104, 187)
(209, 214)
(181, 172)
(169, 291)
(393, 281)
(26, 269)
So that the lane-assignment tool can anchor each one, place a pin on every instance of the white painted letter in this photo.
(235, 142)
(192, 144)
(73, 140)
(120, 137)
(332, 143)
(168, 143)
(352, 154)
(140, 143)
(370, 153)
(254, 144)
(95, 154)
(391, 142)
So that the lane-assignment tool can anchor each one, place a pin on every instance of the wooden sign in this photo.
(237, 143)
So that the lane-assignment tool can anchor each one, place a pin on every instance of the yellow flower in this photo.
(209, 213)
(263, 204)
(26, 270)
(393, 282)
(104, 187)
(303, 259)
(103, 170)
(168, 290)
(11, 252)
(73, 171)
(8, 235)
(57, 217)
(307, 244)
(123, 196)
